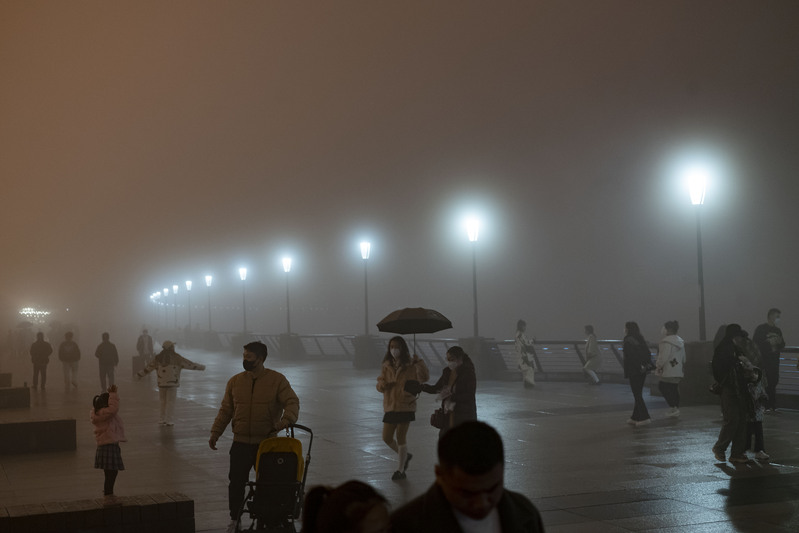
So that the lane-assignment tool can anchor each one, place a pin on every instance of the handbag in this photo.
(439, 418)
(715, 388)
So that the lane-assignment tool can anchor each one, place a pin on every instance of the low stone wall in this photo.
(171, 511)
(14, 397)
(33, 436)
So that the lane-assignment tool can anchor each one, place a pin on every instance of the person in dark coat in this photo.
(469, 493)
(69, 355)
(728, 373)
(40, 356)
(108, 357)
(637, 359)
(456, 389)
(769, 340)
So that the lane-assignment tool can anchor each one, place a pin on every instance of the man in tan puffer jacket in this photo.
(260, 402)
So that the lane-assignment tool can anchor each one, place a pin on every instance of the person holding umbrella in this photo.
(398, 373)
(456, 389)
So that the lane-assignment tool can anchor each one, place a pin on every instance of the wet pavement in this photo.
(567, 446)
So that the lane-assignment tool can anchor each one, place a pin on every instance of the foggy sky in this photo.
(146, 143)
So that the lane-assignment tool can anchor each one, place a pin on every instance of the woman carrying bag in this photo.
(456, 389)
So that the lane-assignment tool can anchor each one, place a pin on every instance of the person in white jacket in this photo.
(525, 353)
(669, 366)
(169, 365)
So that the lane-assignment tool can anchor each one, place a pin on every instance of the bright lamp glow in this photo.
(243, 273)
(287, 264)
(366, 248)
(697, 179)
(166, 292)
(208, 280)
(472, 228)
(175, 289)
(188, 284)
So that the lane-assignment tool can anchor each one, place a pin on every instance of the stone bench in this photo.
(37, 436)
(171, 511)
(13, 397)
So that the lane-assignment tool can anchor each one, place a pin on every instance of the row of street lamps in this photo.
(697, 182)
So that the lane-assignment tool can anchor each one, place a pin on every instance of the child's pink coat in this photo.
(108, 427)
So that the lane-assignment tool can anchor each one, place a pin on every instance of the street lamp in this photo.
(287, 269)
(188, 295)
(366, 248)
(697, 182)
(175, 300)
(208, 280)
(243, 276)
(472, 228)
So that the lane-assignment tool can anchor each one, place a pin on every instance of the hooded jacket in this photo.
(671, 357)
(108, 427)
(169, 365)
(256, 402)
(391, 383)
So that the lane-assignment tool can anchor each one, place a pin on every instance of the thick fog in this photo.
(147, 143)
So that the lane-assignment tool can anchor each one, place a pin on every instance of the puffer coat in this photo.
(391, 383)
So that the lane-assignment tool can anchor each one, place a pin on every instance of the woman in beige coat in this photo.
(399, 405)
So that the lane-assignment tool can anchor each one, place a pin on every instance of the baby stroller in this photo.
(274, 499)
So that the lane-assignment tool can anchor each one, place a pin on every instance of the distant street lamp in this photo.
(188, 295)
(208, 280)
(166, 307)
(366, 248)
(243, 276)
(287, 269)
(175, 300)
(697, 182)
(472, 228)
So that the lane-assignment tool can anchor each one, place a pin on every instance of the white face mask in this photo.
(395, 353)
(776, 321)
(453, 365)
(663, 331)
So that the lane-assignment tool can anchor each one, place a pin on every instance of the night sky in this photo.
(145, 143)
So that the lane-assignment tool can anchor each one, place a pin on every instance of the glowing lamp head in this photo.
(175, 289)
(243, 273)
(366, 248)
(208, 280)
(188, 284)
(166, 291)
(287, 264)
(697, 183)
(472, 229)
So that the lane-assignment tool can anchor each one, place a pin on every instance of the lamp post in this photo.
(175, 300)
(208, 280)
(472, 228)
(287, 269)
(243, 276)
(166, 307)
(188, 296)
(366, 248)
(697, 179)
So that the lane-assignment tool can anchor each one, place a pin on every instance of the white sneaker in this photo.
(232, 527)
(762, 456)
(631, 421)
(673, 412)
(643, 422)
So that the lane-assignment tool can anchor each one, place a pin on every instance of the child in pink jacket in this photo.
(109, 432)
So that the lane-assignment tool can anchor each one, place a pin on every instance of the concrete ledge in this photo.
(172, 512)
(37, 436)
(13, 397)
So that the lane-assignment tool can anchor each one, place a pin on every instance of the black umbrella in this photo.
(414, 320)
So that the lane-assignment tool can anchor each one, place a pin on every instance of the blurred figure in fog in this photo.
(456, 389)
(399, 404)
(40, 356)
(169, 364)
(352, 507)
(524, 352)
(144, 345)
(593, 359)
(69, 355)
(637, 364)
(769, 340)
(669, 365)
(108, 358)
(727, 371)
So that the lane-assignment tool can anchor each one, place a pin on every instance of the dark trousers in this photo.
(39, 369)
(242, 460)
(755, 429)
(640, 411)
(771, 366)
(106, 371)
(670, 392)
(733, 429)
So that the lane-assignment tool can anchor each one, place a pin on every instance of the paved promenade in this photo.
(567, 447)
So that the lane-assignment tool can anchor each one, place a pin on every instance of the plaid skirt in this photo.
(109, 457)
